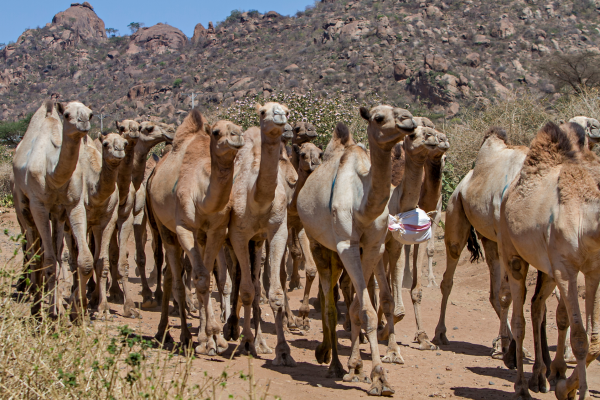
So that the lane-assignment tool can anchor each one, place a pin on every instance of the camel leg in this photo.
(129, 309)
(257, 266)
(396, 272)
(387, 305)
(115, 294)
(584, 351)
(278, 237)
(192, 303)
(85, 260)
(296, 254)
(224, 284)
(330, 269)
(568, 356)
(348, 293)
(456, 235)
(518, 271)
(558, 367)
(416, 294)
(363, 315)
(247, 294)
(311, 272)
(431, 245)
(140, 234)
(163, 335)
(544, 287)
(102, 236)
(215, 343)
(173, 251)
(231, 328)
(500, 300)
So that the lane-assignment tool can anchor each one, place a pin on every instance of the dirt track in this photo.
(462, 369)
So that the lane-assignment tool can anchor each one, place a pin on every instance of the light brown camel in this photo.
(151, 134)
(303, 132)
(102, 203)
(48, 181)
(420, 148)
(258, 213)
(475, 206)
(549, 219)
(343, 207)
(188, 195)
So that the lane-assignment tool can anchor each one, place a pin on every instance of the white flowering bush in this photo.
(323, 113)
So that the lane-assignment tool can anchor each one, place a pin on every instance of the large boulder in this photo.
(200, 33)
(356, 30)
(503, 29)
(82, 19)
(158, 38)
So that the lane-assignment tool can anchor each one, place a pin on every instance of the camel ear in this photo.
(257, 106)
(60, 108)
(365, 113)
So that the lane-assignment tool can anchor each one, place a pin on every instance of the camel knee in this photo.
(579, 342)
(416, 296)
(454, 249)
(387, 303)
(430, 252)
(247, 294)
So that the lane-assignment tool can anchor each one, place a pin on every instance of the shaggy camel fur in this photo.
(101, 204)
(48, 180)
(343, 207)
(475, 206)
(549, 219)
(188, 193)
(151, 134)
(258, 213)
(423, 147)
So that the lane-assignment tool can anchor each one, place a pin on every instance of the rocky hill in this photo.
(446, 55)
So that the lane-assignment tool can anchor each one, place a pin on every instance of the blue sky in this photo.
(16, 16)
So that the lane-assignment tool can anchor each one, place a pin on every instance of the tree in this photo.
(112, 32)
(578, 71)
(135, 26)
(12, 132)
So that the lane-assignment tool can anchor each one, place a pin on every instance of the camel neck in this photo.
(125, 173)
(220, 182)
(302, 177)
(411, 183)
(105, 186)
(140, 156)
(378, 193)
(266, 182)
(67, 158)
(432, 184)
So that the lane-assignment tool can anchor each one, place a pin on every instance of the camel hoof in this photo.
(284, 360)
(202, 349)
(432, 283)
(231, 330)
(440, 339)
(424, 343)
(353, 377)
(336, 370)
(133, 313)
(323, 354)
(380, 386)
(149, 303)
(393, 357)
(295, 285)
(164, 338)
(262, 348)
(561, 391)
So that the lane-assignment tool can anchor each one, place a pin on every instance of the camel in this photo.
(423, 151)
(549, 219)
(475, 207)
(188, 193)
(591, 127)
(343, 208)
(102, 203)
(309, 157)
(259, 212)
(48, 180)
(151, 134)
(303, 132)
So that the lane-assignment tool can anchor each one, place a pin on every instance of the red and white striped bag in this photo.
(411, 227)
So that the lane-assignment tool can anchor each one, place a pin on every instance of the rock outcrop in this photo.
(157, 39)
(82, 21)
(200, 34)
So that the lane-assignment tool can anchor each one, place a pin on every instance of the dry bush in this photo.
(46, 359)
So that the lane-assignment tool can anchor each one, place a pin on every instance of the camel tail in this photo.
(498, 132)
(473, 246)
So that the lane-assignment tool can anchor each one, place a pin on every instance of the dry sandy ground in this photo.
(462, 369)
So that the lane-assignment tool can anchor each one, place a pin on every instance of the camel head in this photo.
(388, 125)
(421, 143)
(591, 127)
(443, 145)
(76, 118)
(129, 129)
(226, 138)
(310, 156)
(113, 148)
(153, 133)
(288, 134)
(304, 132)
(273, 118)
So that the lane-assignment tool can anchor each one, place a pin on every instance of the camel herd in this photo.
(235, 208)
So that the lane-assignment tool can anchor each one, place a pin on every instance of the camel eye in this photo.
(412, 136)
(379, 118)
(105, 144)
(67, 115)
(216, 132)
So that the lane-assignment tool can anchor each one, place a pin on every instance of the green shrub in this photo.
(12, 132)
(177, 82)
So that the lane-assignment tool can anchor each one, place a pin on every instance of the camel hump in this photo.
(49, 107)
(498, 132)
(553, 145)
(192, 125)
(342, 133)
